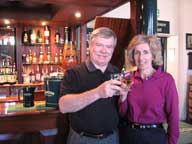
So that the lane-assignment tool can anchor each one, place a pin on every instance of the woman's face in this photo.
(143, 56)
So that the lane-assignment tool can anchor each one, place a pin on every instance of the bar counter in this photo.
(26, 121)
(29, 121)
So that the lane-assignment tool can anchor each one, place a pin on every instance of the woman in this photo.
(153, 98)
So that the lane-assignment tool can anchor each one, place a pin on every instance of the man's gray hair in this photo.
(104, 32)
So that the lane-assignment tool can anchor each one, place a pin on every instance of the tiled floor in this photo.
(185, 133)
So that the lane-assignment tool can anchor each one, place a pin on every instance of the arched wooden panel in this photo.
(123, 29)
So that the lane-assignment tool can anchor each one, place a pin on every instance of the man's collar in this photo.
(91, 68)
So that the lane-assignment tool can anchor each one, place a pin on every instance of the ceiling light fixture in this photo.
(43, 23)
(6, 21)
(77, 14)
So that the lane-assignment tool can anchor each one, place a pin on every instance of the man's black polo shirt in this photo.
(102, 115)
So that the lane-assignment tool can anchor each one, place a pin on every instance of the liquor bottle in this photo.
(30, 56)
(33, 36)
(38, 74)
(27, 59)
(6, 70)
(60, 56)
(32, 76)
(56, 61)
(70, 53)
(12, 75)
(48, 55)
(57, 37)
(25, 36)
(4, 67)
(66, 47)
(71, 58)
(51, 73)
(25, 76)
(39, 37)
(7, 66)
(42, 75)
(46, 74)
(41, 55)
(66, 35)
(24, 58)
(46, 35)
(2, 77)
(34, 58)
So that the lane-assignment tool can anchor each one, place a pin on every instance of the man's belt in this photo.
(91, 135)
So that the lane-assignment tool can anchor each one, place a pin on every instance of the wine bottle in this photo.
(25, 36)
(66, 47)
(41, 55)
(57, 37)
(33, 36)
(34, 59)
(12, 75)
(60, 56)
(48, 55)
(32, 76)
(38, 74)
(56, 61)
(46, 35)
(39, 36)
(30, 57)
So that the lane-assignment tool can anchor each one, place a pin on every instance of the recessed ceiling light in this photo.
(43, 23)
(77, 14)
(6, 21)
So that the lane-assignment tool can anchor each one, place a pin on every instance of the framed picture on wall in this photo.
(189, 41)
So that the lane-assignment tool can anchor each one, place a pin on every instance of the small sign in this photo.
(158, 13)
(163, 27)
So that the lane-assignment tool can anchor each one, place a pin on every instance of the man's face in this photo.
(101, 50)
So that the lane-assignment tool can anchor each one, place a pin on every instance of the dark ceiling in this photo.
(56, 12)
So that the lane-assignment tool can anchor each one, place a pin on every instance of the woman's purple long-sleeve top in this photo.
(154, 100)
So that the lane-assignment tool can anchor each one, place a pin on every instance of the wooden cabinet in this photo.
(189, 105)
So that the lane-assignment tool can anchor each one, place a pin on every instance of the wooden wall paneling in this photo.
(136, 16)
(83, 47)
(123, 29)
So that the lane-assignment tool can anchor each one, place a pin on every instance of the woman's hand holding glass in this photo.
(124, 87)
(126, 79)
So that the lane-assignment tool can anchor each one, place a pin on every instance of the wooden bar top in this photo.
(26, 121)
(21, 85)
(4, 109)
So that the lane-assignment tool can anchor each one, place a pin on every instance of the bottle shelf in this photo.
(45, 63)
(41, 44)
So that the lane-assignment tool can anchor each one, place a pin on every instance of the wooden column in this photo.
(83, 36)
(19, 52)
(150, 17)
(144, 16)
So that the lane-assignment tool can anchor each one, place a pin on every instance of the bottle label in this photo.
(3, 79)
(25, 39)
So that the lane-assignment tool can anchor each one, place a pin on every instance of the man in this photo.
(88, 94)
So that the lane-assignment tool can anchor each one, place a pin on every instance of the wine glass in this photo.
(126, 77)
(116, 76)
